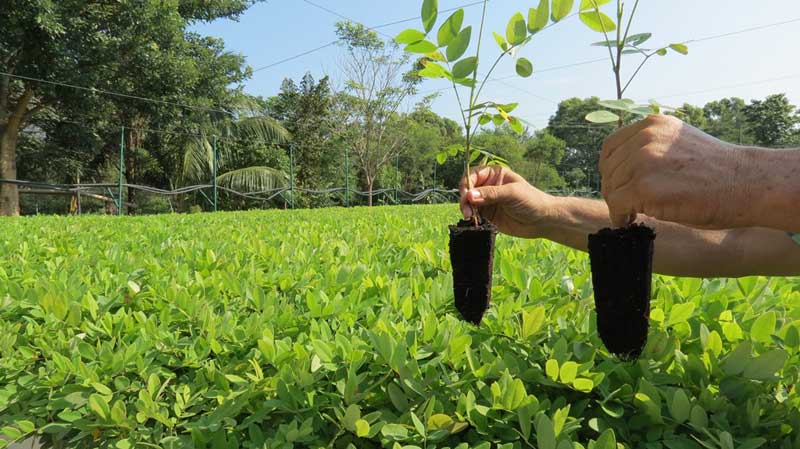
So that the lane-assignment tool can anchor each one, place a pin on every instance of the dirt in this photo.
(472, 258)
(622, 268)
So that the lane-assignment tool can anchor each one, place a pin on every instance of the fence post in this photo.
(79, 192)
(214, 171)
(121, 169)
(291, 174)
(397, 189)
(346, 177)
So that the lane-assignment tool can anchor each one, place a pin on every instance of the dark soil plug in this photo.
(472, 258)
(622, 268)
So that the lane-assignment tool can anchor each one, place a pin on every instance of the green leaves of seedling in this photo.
(538, 17)
(430, 11)
(465, 67)
(598, 21)
(458, 46)
(516, 31)
(409, 37)
(601, 117)
(450, 28)
(561, 9)
(524, 67)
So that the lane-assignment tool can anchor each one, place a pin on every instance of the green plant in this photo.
(450, 49)
(224, 331)
(623, 44)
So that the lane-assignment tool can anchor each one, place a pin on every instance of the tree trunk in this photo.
(9, 193)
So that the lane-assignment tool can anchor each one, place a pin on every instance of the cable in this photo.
(752, 83)
(330, 44)
(116, 94)
(746, 30)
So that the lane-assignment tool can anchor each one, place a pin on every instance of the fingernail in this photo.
(467, 212)
(475, 194)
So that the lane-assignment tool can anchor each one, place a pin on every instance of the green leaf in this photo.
(516, 125)
(11, 432)
(450, 28)
(598, 21)
(25, 426)
(124, 444)
(524, 67)
(409, 37)
(602, 117)
(441, 158)
(698, 417)
(551, 369)
(99, 405)
(752, 443)
(737, 360)
(516, 31)
(469, 82)
(420, 428)
(362, 428)
(679, 406)
(583, 385)
(56, 428)
(465, 67)
(607, 440)
(764, 327)
(430, 11)
(561, 9)
(434, 70)
(636, 40)
(592, 4)
(680, 48)
(394, 432)
(766, 365)
(102, 389)
(118, 412)
(351, 415)
(545, 433)
(680, 313)
(568, 372)
(421, 47)
(501, 41)
(538, 17)
(661, 52)
(499, 120)
(459, 45)
(484, 119)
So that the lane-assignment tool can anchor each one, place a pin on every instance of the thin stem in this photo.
(608, 41)
(497, 61)
(636, 72)
(630, 21)
(620, 46)
(472, 98)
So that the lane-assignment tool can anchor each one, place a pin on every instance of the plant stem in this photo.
(472, 100)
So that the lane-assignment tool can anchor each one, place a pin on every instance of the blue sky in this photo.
(748, 65)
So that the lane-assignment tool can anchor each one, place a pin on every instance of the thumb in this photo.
(486, 195)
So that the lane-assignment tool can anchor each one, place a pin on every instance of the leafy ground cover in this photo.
(327, 328)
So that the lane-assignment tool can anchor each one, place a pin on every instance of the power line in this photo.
(332, 43)
(746, 30)
(751, 83)
(115, 94)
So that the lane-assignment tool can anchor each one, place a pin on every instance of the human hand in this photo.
(668, 170)
(507, 200)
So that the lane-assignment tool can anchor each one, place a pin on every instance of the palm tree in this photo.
(245, 124)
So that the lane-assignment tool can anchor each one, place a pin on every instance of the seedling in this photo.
(622, 259)
(472, 241)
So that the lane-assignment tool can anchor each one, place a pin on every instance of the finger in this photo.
(621, 207)
(627, 150)
(487, 195)
(616, 140)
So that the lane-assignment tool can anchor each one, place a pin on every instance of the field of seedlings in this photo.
(336, 328)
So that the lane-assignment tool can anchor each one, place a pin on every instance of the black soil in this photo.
(622, 268)
(472, 258)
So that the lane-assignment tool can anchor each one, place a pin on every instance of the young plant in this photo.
(619, 44)
(445, 56)
(622, 259)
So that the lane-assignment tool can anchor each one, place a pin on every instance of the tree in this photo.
(545, 151)
(772, 121)
(307, 111)
(583, 141)
(726, 120)
(377, 83)
(103, 45)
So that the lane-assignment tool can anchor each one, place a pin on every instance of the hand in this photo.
(507, 200)
(668, 170)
